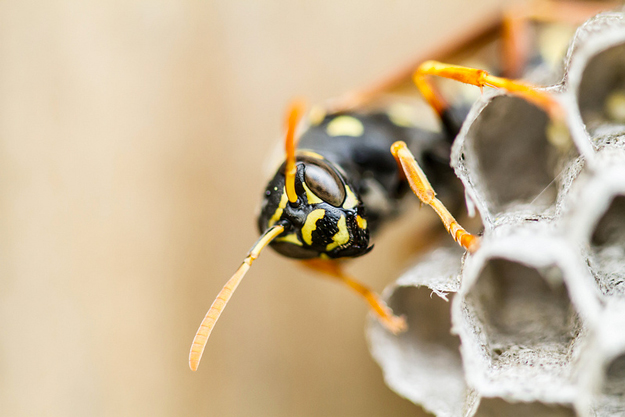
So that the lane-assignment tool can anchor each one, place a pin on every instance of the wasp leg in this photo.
(422, 188)
(384, 314)
(516, 22)
(481, 79)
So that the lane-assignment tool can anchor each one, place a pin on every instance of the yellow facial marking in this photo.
(345, 126)
(341, 237)
(350, 199)
(310, 224)
(290, 238)
(362, 223)
(278, 213)
(311, 197)
(316, 115)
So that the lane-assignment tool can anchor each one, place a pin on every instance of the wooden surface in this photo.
(132, 141)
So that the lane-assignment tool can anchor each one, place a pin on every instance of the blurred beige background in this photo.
(132, 140)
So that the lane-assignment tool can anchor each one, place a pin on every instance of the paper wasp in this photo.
(347, 168)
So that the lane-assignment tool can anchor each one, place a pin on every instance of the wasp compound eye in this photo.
(325, 183)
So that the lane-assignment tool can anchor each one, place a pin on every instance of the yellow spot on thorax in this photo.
(345, 126)
(311, 224)
(278, 213)
(316, 115)
(401, 114)
(341, 237)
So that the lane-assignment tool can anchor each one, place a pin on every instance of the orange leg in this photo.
(481, 79)
(514, 27)
(384, 314)
(422, 188)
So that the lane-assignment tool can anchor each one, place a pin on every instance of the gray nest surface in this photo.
(533, 323)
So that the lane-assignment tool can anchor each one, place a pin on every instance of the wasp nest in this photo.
(533, 323)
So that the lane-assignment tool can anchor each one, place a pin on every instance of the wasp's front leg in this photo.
(383, 313)
(422, 188)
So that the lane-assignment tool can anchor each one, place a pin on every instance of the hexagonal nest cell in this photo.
(517, 306)
(607, 247)
(514, 161)
(609, 400)
(428, 317)
(539, 310)
(614, 381)
(601, 93)
(424, 364)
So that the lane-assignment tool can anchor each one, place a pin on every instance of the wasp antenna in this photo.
(206, 327)
(294, 114)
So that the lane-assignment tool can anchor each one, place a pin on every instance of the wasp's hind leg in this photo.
(481, 78)
(383, 313)
(422, 188)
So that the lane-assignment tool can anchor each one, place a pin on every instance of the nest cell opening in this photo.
(607, 245)
(601, 93)
(428, 317)
(519, 305)
(496, 407)
(614, 381)
(423, 364)
(516, 162)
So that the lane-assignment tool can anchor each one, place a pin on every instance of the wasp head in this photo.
(328, 218)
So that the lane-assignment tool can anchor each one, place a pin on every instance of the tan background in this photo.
(132, 138)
